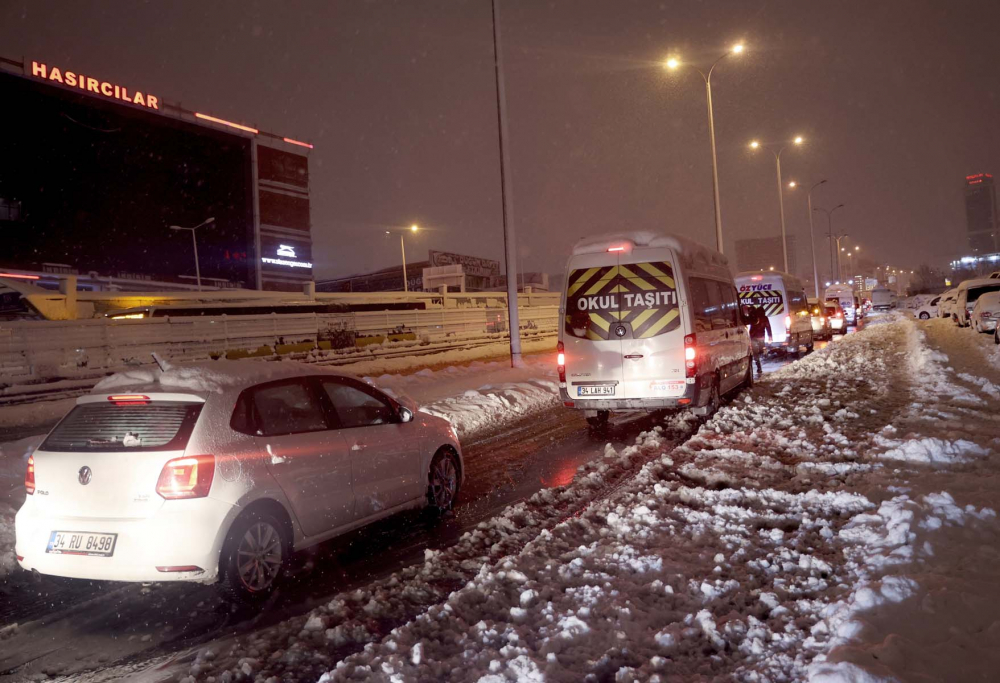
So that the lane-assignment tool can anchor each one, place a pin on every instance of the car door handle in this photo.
(634, 356)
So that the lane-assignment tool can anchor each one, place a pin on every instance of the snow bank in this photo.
(729, 557)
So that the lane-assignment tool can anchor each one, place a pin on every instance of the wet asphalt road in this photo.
(67, 627)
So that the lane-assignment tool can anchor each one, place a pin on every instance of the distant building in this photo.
(981, 213)
(765, 253)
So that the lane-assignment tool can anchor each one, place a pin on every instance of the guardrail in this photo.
(37, 351)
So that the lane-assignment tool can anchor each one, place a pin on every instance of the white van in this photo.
(650, 321)
(967, 294)
(881, 299)
(844, 295)
(783, 299)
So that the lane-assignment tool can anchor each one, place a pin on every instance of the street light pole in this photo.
(812, 237)
(194, 244)
(402, 248)
(506, 197)
(829, 234)
(673, 63)
(781, 192)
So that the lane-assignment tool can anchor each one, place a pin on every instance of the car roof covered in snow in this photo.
(210, 377)
(976, 282)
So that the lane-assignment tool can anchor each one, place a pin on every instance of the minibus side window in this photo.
(701, 304)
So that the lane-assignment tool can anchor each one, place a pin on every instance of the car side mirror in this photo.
(405, 415)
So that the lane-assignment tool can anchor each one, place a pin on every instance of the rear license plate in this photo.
(606, 390)
(82, 543)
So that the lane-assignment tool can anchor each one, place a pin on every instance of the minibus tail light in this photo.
(561, 362)
(788, 322)
(690, 356)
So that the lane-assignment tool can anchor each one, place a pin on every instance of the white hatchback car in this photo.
(986, 312)
(218, 472)
(929, 309)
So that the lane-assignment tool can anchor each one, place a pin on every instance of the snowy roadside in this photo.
(829, 526)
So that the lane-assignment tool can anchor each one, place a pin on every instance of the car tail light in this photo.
(690, 356)
(822, 320)
(29, 476)
(788, 322)
(189, 477)
(561, 361)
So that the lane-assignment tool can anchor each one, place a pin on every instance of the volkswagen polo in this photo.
(219, 472)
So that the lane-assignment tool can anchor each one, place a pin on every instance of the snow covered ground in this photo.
(836, 524)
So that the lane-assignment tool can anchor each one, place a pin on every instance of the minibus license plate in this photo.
(606, 390)
(82, 543)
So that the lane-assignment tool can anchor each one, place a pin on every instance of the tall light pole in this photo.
(812, 237)
(506, 197)
(673, 63)
(402, 248)
(776, 151)
(850, 257)
(829, 234)
(194, 243)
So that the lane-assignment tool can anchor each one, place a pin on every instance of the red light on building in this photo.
(297, 142)
(226, 123)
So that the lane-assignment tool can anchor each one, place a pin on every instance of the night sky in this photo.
(898, 101)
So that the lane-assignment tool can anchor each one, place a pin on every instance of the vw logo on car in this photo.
(85, 475)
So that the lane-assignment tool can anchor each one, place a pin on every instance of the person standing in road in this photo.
(759, 326)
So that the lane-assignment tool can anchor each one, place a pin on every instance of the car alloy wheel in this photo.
(443, 485)
(924, 316)
(259, 556)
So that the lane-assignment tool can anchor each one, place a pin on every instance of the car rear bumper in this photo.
(186, 533)
(987, 325)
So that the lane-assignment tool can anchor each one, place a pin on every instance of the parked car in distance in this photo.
(220, 471)
(986, 312)
(835, 314)
(967, 294)
(820, 321)
(929, 309)
(649, 321)
(945, 303)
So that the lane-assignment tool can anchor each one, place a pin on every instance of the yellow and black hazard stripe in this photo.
(610, 285)
(768, 299)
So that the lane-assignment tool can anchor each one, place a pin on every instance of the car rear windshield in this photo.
(159, 425)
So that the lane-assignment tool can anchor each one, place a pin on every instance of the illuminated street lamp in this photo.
(673, 63)
(194, 242)
(402, 248)
(777, 150)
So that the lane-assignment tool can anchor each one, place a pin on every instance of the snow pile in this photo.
(750, 552)
(305, 647)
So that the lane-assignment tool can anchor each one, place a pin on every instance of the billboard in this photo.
(471, 265)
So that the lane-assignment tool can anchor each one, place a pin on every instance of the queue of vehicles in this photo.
(219, 473)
